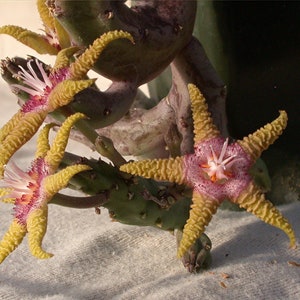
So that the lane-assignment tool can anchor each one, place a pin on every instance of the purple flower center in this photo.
(218, 169)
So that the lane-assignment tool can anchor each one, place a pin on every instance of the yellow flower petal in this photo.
(12, 239)
(36, 227)
(45, 14)
(63, 58)
(170, 169)
(202, 210)
(52, 25)
(253, 200)
(204, 127)
(54, 183)
(10, 126)
(57, 150)
(43, 141)
(64, 92)
(29, 38)
(260, 140)
(28, 125)
(86, 61)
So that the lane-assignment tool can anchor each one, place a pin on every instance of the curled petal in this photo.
(12, 239)
(86, 61)
(253, 200)
(64, 92)
(204, 127)
(52, 25)
(45, 15)
(159, 169)
(254, 144)
(54, 183)
(28, 125)
(202, 210)
(36, 227)
(57, 150)
(43, 141)
(29, 38)
(63, 58)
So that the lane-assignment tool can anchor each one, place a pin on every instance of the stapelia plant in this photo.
(31, 191)
(217, 171)
(130, 46)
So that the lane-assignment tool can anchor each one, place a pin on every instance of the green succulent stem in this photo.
(155, 25)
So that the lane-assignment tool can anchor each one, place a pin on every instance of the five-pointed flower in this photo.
(31, 191)
(217, 170)
(54, 39)
(49, 92)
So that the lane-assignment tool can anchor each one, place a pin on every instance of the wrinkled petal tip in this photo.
(54, 183)
(254, 144)
(54, 155)
(29, 38)
(159, 169)
(202, 210)
(64, 92)
(204, 127)
(12, 239)
(39, 253)
(86, 61)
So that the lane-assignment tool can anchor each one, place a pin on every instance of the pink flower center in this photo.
(38, 85)
(219, 168)
(26, 187)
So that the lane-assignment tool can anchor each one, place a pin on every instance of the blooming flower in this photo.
(54, 38)
(49, 92)
(31, 191)
(217, 170)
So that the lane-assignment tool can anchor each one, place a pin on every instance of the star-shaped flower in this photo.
(31, 191)
(217, 170)
(49, 91)
(51, 42)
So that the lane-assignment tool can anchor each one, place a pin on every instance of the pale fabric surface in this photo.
(98, 259)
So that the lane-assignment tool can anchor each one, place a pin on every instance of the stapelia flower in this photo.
(217, 170)
(48, 92)
(54, 38)
(31, 191)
